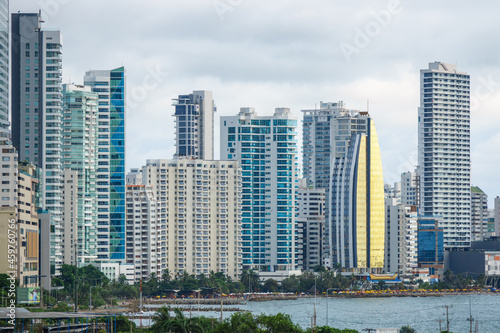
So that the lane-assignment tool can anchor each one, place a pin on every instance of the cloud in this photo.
(284, 53)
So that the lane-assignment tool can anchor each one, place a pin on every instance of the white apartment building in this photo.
(310, 226)
(8, 176)
(401, 254)
(70, 218)
(199, 214)
(134, 177)
(142, 233)
(444, 150)
(496, 216)
(409, 188)
(479, 214)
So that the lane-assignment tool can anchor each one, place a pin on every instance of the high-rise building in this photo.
(266, 148)
(430, 244)
(194, 121)
(393, 192)
(8, 177)
(444, 150)
(409, 188)
(142, 231)
(317, 143)
(356, 194)
(28, 225)
(400, 238)
(134, 177)
(479, 214)
(496, 216)
(37, 112)
(4, 69)
(110, 174)
(310, 226)
(79, 146)
(198, 206)
(71, 226)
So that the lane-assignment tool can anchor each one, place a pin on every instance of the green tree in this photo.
(407, 329)
(279, 323)
(160, 320)
(241, 322)
(182, 324)
(271, 285)
(250, 280)
(290, 284)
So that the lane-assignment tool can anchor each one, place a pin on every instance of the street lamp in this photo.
(327, 304)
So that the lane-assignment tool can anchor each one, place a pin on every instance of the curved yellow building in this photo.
(357, 219)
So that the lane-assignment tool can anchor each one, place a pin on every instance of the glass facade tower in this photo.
(266, 148)
(356, 194)
(110, 88)
(80, 155)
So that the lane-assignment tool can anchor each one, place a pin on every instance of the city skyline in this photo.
(288, 61)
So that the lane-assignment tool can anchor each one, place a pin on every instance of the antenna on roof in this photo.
(367, 105)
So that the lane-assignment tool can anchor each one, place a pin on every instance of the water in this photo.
(421, 313)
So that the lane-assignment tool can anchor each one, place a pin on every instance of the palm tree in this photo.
(161, 320)
(182, 324)
(250, 279)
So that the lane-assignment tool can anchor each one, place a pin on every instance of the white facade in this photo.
(393, 192)
(444, 150)
(142, 233)
(496, 216)
(409, 188)
(310, 226)
(479, 214)
(79, 154)
(134, 177)
(113, 270)
(492, 263)
(199, 213)
(70, 217)
(401, 238)
(8, 176)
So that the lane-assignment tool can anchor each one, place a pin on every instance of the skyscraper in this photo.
(444, 150)
(310, 225)
(356, 195)
(266, 147)
(37, 111)
(4, 68)
(194, 121)
(143, 232)
(79, 145)
(317, 142)
(110, 88)
(479, 214)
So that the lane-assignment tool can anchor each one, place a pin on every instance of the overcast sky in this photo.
(287, 53)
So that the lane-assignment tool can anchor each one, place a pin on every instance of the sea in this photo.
(424, 314)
